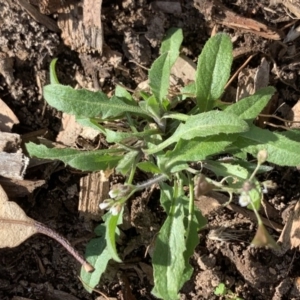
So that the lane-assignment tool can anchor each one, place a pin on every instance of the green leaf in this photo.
(168, 259)
(195, 222)
(159, 76)
(249, 108)
(53, 76)
(122, 93)
(82, 160)
(97, 255)
(166, 196)
(220, 290)
(204, 124)
(90, 123)
(213, 70)
(149, 167)
(127, 162)
(118, 136)
(171, 43)
(239, 173)
(84, 103)
(111, 228)
(188, 91)
(200, 148)
(152, 107)
(159, 73)
(281, 150)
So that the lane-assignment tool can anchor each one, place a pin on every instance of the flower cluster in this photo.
(118, 195)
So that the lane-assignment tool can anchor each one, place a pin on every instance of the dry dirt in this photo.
(133, 30)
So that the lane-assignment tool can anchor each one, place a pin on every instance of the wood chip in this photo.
(6, 69)
(94, 189)
(13, 165)
(81, 26)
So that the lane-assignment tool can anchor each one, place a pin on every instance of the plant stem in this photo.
(41, 228)
(191, 204)
(148, 183)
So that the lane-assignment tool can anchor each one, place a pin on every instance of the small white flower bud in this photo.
(244, 199)
(262, 156)
(105, 204)
(115, 209)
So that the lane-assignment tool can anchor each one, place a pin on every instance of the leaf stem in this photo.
(151, 181)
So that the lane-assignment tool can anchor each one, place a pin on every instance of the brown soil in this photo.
(40, 268)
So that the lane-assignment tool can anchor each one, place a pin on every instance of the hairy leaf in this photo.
(84, 103)
(111, 230)
(281, 150)
(159, 73)
(249, 108)
(82, 160)
(200, 148)
(202, 125)
(97, 255)
(213, 70)
(168, 256)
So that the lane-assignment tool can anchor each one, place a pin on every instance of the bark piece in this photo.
(9, 142)
(6, 69)
(81, 26)
(13, 165)
(94, 189)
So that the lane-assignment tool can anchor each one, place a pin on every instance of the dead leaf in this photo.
(15, 226)
(7, 118)
(294, 115)
(69, 131)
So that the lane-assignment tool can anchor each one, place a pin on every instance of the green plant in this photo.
(158, 140)
(221, 290)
